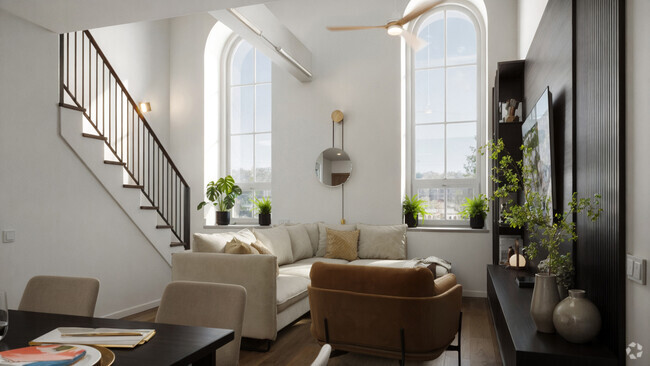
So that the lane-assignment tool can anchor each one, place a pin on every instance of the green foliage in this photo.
(547, 231)
(221, 194)
(473, 207)
(262, 206)
(414, 206)
(563, 269)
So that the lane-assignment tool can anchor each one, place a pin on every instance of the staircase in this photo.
(104, 126)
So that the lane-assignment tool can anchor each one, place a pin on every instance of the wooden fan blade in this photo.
(417, 12)
(413, 41)
(355, 27)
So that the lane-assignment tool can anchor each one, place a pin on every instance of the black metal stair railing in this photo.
(93, 85)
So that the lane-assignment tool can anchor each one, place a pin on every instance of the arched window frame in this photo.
(480, 182)
(224, 129)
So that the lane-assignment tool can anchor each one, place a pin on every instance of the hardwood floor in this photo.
(296, 346)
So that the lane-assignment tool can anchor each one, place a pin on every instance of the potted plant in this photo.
(263, 207)
(547, 231)
(476, 209)
(411, 208)
(221, 194)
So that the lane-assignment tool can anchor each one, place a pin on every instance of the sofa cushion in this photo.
(302, 267)
(406, 263)
(322, 235)
(312, 230)
(382, 241)
(290, 290)
(236, 246)
(342, 244)
(278, 241)
(300, 243)
(216, 243)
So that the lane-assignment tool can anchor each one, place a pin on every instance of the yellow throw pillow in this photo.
(264, 250)
(342, 244)
(236, 246)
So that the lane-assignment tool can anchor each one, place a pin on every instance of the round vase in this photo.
(576, 318)
(545, 297)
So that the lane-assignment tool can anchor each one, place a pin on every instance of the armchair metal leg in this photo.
(457, 348)
(403, 361)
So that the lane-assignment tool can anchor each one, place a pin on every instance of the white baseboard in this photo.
(132, 310)
(470, 293)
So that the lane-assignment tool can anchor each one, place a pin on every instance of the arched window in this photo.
(445, 112)
(248, 124)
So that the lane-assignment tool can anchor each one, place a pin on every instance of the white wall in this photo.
(529, 14)
(139, 53)
(65, 222)
(637, 173)
(358, 73)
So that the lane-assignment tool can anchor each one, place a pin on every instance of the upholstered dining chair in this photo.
(60, 295)
(202, 304)
(323, 356)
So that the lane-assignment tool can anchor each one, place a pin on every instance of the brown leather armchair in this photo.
(399, 313)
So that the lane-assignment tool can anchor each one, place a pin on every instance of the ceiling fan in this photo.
(396, 27)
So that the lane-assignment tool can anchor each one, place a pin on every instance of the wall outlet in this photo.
(635, 268)
(8, 236)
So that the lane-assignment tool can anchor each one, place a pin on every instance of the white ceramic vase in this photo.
(576, 318)
(545, 297)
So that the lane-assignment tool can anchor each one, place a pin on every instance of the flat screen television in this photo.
(537, 134)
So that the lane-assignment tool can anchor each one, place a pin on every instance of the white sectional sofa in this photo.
(277, 297)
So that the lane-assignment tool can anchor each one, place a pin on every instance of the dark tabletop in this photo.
(172, 344)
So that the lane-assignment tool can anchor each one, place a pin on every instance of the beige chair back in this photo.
(61, 295)
(203, 304)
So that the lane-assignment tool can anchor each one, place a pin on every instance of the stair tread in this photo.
(132, 186)
(163, 226)
(113, 162)
(96, 137)
(148, 207)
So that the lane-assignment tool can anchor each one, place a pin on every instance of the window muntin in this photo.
(248, 132)
(445, 113)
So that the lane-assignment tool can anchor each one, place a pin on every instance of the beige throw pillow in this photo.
(342, 244)
(322, 230)
(382, 241)
(216, 243)
(278, 241)
(236, 246)
(264, 250)
(312, 230)
(300, 244)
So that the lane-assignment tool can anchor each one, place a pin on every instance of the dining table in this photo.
(171, 344)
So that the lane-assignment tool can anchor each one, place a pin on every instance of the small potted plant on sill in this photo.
(411, 208)
(476, 210)
(263, 207)
(222, 195)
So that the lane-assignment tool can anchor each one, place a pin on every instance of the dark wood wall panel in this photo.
(600, 160)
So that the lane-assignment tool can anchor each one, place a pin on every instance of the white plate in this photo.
(91, 358)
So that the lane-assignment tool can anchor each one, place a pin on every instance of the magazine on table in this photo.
(105, 337)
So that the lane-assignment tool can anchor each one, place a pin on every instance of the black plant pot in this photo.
(223, 217)
(265, 219)
(411, 221)
(477, 222)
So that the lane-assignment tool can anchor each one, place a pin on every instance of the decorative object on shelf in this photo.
(506, 247)
(476, 209)
(411, 208)
(222, 195)
(263, 208)
(576, 318)
(516, 260)
(510, 111)
(545, 297)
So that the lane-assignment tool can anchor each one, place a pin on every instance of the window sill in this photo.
(427, 229)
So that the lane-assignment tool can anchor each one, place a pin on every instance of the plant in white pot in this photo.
(546, 231)
(222, 195)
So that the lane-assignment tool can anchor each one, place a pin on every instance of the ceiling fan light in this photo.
(394, 30)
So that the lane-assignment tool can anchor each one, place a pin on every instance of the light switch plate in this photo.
(636, 269)
(8, 236)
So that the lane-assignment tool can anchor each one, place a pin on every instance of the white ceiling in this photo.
(62, 16)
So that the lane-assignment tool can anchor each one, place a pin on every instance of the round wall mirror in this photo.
(333, 167)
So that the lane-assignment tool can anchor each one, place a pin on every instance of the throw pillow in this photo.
(382, 241)
(278, 241)
(300, 243)
(342, 244)
(312, 230)
(236, 246)
(216, 243)
(322, 233)
(264, 250)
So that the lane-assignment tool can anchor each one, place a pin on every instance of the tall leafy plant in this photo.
(221, 194)
(547, 230)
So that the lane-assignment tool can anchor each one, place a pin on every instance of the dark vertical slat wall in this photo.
(600, 160)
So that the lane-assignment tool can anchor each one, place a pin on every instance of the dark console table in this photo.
(519, 341)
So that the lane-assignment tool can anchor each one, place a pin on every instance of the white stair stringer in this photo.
(91, 153)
